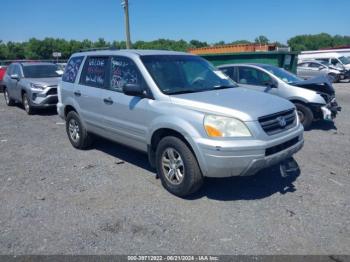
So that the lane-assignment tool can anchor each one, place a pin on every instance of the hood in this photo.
(241, 103)
(50, 81)
(318, 84)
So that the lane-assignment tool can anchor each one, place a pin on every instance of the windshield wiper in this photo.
(223, 87)
(181, 92)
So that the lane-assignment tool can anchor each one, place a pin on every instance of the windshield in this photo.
(41, 71)
(282, 74)
(344, 60)
(176, 74)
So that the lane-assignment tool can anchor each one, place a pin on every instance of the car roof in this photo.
(246, 64)
(139, 52)
(35, 63)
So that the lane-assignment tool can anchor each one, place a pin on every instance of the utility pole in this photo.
(125, 5)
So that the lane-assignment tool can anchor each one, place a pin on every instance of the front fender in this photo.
(180, 125)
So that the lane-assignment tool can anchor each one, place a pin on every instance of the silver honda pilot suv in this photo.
(190, 118)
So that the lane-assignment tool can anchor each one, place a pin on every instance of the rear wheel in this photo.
(9, 101)
(77, 133)
(305, 115)
(177, 167)
(26, 104)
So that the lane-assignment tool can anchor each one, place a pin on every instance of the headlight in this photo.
(36, 86)
(220, 126)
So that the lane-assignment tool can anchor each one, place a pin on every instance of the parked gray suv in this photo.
(34, 84)
(191, 119)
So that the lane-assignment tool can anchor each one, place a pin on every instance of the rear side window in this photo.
(95, 72)
(124, 71)
(72, 69)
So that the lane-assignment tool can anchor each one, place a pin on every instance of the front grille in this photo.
(275, 149)
(279, 122)
(52, 91)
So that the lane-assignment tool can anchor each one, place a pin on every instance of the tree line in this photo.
(43, 49)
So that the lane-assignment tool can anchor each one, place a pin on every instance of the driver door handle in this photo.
(108, 101)
(77, 93)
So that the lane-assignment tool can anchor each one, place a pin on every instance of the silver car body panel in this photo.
(133, 121)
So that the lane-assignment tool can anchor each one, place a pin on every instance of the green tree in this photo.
(263, 40)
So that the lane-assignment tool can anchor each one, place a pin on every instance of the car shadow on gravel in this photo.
(264, 184)
(323, 125)
(122, 153)
(51, 111)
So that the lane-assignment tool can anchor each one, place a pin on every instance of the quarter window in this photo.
(94, 71)
(228, 71)
(124, 71)
(72, 69)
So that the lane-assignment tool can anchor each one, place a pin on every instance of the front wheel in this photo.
(77, 133)
(177, 167)
(305, 115)
(9, 101)
(26, 104)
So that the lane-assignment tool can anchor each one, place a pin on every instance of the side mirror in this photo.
(321, 68)
(15, 77)
(272, 84)
(134, 90)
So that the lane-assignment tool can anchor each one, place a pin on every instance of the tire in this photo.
(26, 104)
(9, 101)
(187, 178)
(305, 115)
(77, 133)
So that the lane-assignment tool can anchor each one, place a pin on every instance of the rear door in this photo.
(303, 70)
(89, 92)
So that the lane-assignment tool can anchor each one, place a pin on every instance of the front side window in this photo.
(9, 70)
(95, 71)
(123, 72)
(72, 69)
(16, 70)
(178, 74)
(41, 71)
(253, 76)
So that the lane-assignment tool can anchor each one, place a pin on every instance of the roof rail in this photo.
(97, 49)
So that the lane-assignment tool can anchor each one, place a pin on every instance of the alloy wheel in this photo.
(74, 130)
(173, 166)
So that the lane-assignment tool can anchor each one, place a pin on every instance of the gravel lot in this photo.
(55, 199)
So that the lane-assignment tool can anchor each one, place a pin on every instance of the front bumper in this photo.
(44, 99)
(247, 157)
(331, 110)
